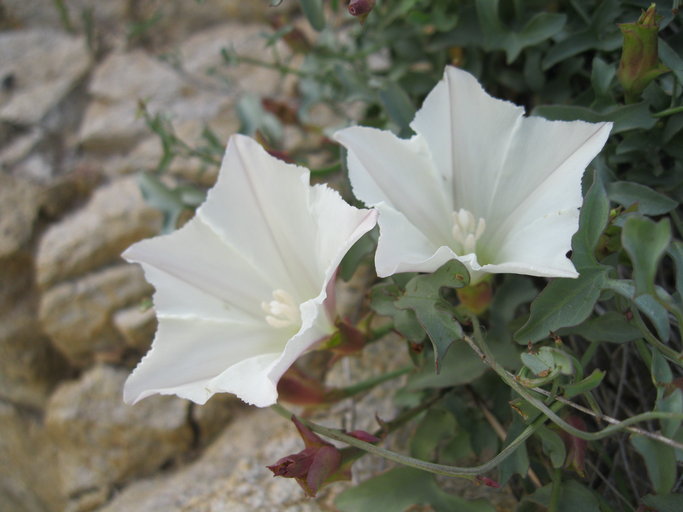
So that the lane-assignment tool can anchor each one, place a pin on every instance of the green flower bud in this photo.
(639, 58)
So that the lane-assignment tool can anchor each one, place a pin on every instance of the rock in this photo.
(20, 147)
(77, 315)
(35, 13)
(28, 468)
(231, 475)
(29, 365)
(201, 57)
(212, 417)
(137, 326)
(112, 120)
(114, 218)
(148, 153)
(19, 205)
(43, 66)
(104, 442)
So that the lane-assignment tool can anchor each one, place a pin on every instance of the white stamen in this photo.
(466, 230)
(282, 311)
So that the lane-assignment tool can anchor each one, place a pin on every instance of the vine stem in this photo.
(482, 350)
(469, 473)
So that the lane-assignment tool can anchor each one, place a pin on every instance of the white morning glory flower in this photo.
(241, 288)
(479, 183)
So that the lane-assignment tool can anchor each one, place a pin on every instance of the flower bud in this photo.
(298, 388)
(318, 463)
(639, 63)
(476, 298)
(361, 8)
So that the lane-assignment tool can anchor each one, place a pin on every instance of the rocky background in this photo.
(74, 317)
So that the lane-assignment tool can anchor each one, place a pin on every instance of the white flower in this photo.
(241, 288)
(479, 182)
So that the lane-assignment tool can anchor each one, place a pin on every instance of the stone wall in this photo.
(74, 317)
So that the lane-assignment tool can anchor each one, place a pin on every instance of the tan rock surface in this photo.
(121, 81)
(77, 315)
(20, 202)
(28, 469)
(30, 367)
(103, 442)
(137, 325)
(45, 66)
(114, 218)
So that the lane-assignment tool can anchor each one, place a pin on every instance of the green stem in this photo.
(668, 112)
(666, 351)
(509, 379)
(439, 469)
(380, 332)
(555, 492)
(340, 394)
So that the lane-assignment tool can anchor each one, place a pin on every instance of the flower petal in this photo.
(259, 207)
(551, 157)
(384, 168)
(262, 229)
(469, 135)
(187, 354)
(195, 273)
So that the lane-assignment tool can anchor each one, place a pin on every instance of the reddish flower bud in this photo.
(298, 388)
(317, 464)
(360, 7)
(346, 340)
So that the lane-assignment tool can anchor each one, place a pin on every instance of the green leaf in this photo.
(673, 402)
(518, 462)
(398, 106)
(313, 10)
(437, 425)
(563, 303)
(497, 36)
(656, 313)
(362, 248)
(602, 76)
(382, 300)
(660, 462)
(611, 327)
(664, 502)
(573, 496)
(645, 243)
(163, 198)
(671, 59)
(600, 34)
(649, 202)
(548, 360)
(435, 315)
(592, 221)
(553, 446)
(626, 117)
(660, 369)
(585, 385)
(460, 366)
(400, 488)
(676, 253)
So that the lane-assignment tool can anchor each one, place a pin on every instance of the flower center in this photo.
(282, 311)
(467, 230)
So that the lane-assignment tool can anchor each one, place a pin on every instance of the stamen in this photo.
(282, 311)
(466, 230)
